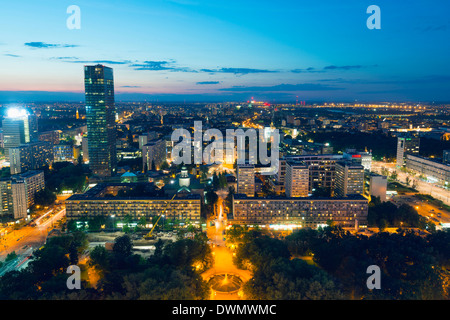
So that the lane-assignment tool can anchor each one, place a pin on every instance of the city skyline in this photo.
(202, 51)
(247, 151)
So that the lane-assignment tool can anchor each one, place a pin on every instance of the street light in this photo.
(113, 216)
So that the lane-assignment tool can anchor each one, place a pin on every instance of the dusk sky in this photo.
(214, 50)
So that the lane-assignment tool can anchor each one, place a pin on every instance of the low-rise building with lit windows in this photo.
(106, 199)
(291, 213)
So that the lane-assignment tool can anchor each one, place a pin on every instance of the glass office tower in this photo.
(19, 127)
(100, 115)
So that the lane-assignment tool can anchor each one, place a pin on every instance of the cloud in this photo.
(307, 70)
(65, 58)
(237, 70)
(208, 82)
(152, 65)
(283, 87)
(43, 45)
(332, 80)
(77, 60)
(11, 55)
(103, 62)
(130, 86)
(342, 67)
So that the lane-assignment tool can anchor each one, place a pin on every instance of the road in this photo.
(421, 186)
(19, 240)
(18, 263)
(424, 208)
(223, 256)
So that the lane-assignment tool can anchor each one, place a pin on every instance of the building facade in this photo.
(362, 157)
(300, 212)
(63, 152)
(154, 152)
(6, 204)
(349, 179)
(50, 136)
(246, 179)
(433, 170)
(18, 191)
(297, 179)
(100, 116)
(375, 185)
(97, 202)
(19, 127)
(321, 169)
(406, 145)
(30, 156)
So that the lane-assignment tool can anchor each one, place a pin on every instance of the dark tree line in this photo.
(412, 267)
(387, 214)
(172, 272)
(45, 277)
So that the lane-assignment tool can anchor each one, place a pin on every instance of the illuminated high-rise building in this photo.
(406, 145)
(100, 115)
(246, 179)
(19, 127)
(349, 178)
(297, 179)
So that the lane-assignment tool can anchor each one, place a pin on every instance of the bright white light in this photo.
(17, 113)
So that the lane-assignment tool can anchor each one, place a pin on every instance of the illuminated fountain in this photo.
(225, 283)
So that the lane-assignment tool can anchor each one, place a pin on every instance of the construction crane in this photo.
(150, 234)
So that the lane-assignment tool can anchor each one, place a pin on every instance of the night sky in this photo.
(214, 50)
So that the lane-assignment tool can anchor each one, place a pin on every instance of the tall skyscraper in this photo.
(406, 145)
(19, 127)
(100, 115)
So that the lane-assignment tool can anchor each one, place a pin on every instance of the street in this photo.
(223, 256)
(20, 240)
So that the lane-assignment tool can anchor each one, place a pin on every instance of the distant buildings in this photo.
(406, 145)
(50, 136)
(246, 179)
(30, 156)
(349, 179)
(63, 152)
(184, 183)
(446, 156)
(145, 138)
(291, 213)
(364, 158)
(153, 154)
(100, 115)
